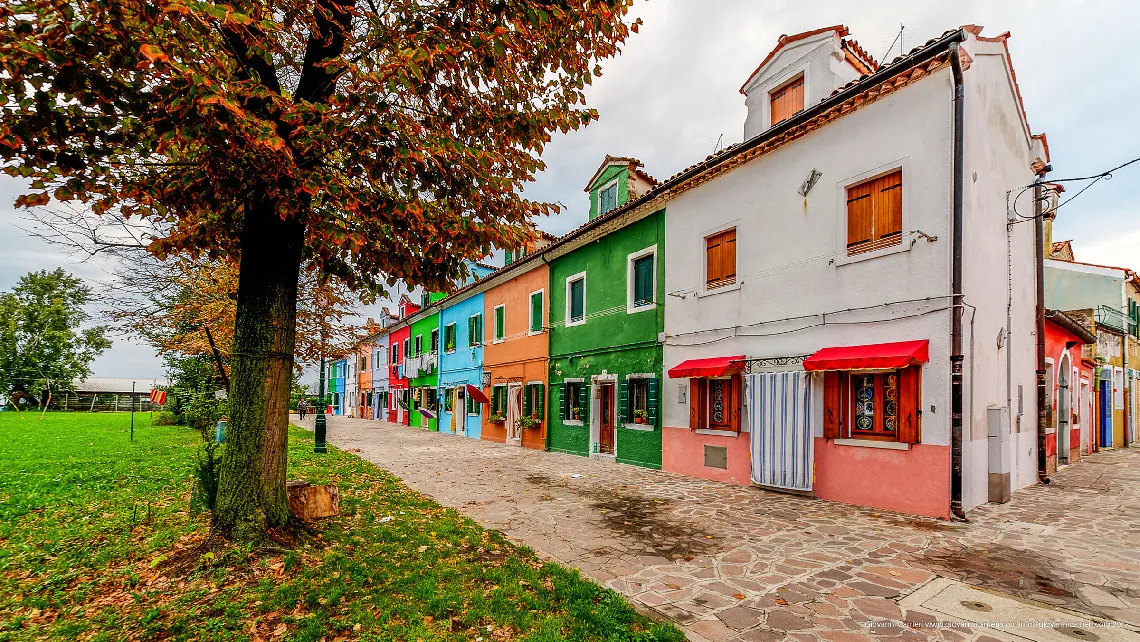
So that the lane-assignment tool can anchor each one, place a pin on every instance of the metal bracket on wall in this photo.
(748, 366)
(508, 379)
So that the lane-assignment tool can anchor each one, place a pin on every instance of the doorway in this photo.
(1086, 418)
(1064, 415)
(514, 410)
(1106, 413)
(606, 426)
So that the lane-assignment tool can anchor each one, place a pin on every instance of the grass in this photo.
(91, 526)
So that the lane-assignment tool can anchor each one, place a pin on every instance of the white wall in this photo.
(998, 155)
(791, 254)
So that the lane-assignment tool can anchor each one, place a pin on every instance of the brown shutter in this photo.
(712, 259)
(909, 391)
(697, 403)
(860, 217)
(734, 402)
(888, 208)
(832, 406)
(787, 100)
(720, 258)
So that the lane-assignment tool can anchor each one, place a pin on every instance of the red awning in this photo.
(712, 367)
(878, 356)
(477, 394)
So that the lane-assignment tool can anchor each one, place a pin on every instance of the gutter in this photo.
(1039, 253)
(1066, 322)
(956, 356)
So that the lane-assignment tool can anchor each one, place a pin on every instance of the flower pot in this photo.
(638, 420)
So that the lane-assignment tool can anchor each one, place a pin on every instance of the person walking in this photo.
(301, 408)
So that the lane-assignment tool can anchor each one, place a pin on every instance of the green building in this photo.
(423, 365)
(607, 286)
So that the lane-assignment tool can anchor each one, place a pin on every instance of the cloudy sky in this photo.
(672, 95)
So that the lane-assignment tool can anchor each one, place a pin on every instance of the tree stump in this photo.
(312, 502)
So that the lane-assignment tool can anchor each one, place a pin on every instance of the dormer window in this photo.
(607, 197)
(787, 99)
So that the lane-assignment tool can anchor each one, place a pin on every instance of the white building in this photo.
(832, 228)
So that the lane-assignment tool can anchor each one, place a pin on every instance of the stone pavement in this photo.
(730, 563)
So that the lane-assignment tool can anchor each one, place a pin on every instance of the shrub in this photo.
(207, 466)
(165, 418)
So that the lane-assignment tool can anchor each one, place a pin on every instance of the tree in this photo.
(377, 140)
(43, 344)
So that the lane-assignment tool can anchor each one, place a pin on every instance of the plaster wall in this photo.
(395, 382)
(463, 365)
(422, 328)
(521, 355)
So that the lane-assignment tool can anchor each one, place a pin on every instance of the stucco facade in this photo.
(611, 346)
(797, 290)
(398, 398)
(520, 358)
(460, 364)
(425, 386)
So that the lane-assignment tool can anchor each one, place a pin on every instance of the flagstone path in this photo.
(728, 563)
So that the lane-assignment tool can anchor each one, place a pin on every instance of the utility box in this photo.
(999, 454)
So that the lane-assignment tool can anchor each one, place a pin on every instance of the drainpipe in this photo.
(1039, 252)
(956, 356)
(549, 383)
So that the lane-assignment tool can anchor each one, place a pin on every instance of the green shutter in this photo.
(652, 401)
(500, 331)
(584, 402)
(528, 407)
(470, 331)
(623, 403)
(643, 280)
(536, 312)
(541, 399)
(577, 300)
(563, 406)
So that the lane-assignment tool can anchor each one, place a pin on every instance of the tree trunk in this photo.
(251, 489)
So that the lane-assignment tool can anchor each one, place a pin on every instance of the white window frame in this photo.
(630, 307)
(418, 344)
(611, 183)
(703, 289)
(444, 346)
(434, 331)
(905, 244)
(530, 312)
(495, 338)
(478, 340)
(569, 280)
(785, 79)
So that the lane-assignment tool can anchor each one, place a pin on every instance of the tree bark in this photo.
(251, 489)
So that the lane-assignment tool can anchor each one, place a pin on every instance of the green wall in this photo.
(423, 328)
(611, 339)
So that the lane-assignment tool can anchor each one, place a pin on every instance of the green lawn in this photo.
(90, 524)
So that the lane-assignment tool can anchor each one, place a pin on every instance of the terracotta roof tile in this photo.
(784, 40)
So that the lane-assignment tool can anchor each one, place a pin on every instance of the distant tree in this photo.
(378, 140)
(43, 344)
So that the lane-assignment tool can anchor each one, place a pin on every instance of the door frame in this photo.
(596, 382)
(512, 389)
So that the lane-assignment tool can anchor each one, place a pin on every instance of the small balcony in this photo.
(1112, 319)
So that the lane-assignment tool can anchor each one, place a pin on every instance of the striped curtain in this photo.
(779, 418)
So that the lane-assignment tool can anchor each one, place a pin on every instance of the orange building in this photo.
(364, 380)
(515, 353)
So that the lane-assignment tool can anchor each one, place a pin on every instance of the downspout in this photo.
(1039, 253)
(956, 356)
(549, 383)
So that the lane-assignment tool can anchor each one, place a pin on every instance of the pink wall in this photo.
(915, 481)
(683, 451)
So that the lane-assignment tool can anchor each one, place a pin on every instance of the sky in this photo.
(672, 96)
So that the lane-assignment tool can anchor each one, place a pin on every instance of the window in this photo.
(714, 404)
(576, 299)
(499, 401)
(363, 363)
(534, 397)
(573, 401)
(395, 353)
(788, 99)
(874, 214)
(448, 399)
(406, 348)
(607, 197)
(536, 312)
(431, 398)
(641, 280)
(435, 340)
(639, 400)
(720, 259)
(500, 322)
(872, 405)
(472, 405)
(419, 344)
(475, 330)
(449, 337)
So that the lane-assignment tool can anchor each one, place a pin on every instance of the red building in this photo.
(397, 350)
(1069, 406)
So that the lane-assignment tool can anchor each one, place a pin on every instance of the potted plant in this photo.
(497, 418)
(640, 416)
(574, 413)
(524, 422)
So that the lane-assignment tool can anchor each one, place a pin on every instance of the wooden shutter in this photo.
(833, 407)
(624, 400)
(563, 402)
(698, 400)
(500, 321)
(583, 402)
(720, 259)
(652, 401)
(528, 406)
(540, 401)
(860, 218)
(788, 100)
(735, 388)
(536, 312)
(888, 209)
(909, 399)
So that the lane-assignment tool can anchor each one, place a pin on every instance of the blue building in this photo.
(460, 369)
(337, 370)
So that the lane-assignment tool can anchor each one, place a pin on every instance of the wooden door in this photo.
(606, 420)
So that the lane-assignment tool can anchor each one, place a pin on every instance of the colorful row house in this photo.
(1070, 379)
(808, 310)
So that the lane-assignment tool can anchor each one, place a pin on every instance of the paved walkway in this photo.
(742, 564)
